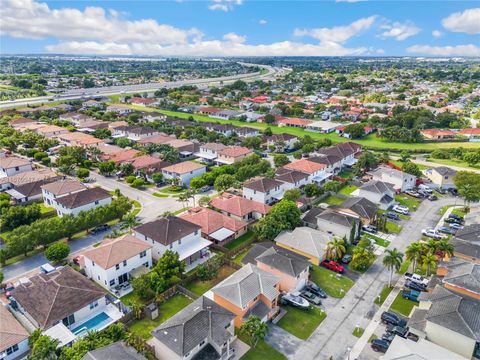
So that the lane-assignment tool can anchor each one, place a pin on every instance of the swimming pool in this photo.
(94, 323)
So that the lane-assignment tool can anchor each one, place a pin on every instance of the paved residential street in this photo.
(334, 336)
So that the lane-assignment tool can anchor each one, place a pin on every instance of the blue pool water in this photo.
(93, 324)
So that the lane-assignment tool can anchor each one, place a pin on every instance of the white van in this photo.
(425, 188)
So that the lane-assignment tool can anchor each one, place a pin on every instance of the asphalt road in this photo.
(334, 336)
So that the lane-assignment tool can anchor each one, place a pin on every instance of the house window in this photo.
(93, 263)
(93, 305)
(112, 282)
(117, 266)
(96, 202)
(202, 343)
(12, 349)
(196, 232)
(143, 254)
(69, 320)
(124, 262)
(146, 264)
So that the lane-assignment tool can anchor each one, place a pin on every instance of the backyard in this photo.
(200, 287)
(408, 201)
(348, 189)
(402, 306)
(301, 323)
(332, 200)
(240, 240)
(166, 310)
(335, 286)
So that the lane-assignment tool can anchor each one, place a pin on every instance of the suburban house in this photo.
(238, 207)
(19, 122)
(449, 320)
(401, 348)
(122, 156)
(378, 192)
(245, 132)
(225, 114)
(291, 179)
(60, 188)
(460, 276)
(119, 109)
(400, 180)
(64, 303)
(345, 151)
(143, 101)
(13, 165)
(184, 172)
(175, 234)
(263, 190)
(50, 131)
(208, 153)
(322, 126)
(84, 200)
(316, 171)
(114, 261)
(201, 330)
(118, 350)
(441, 176)
(147, 165)
(292, 269)
(473, 133)
(248, 291)
(305, 241)
(215, 226)
(13, 336)
(134, 133)
(294, 122)
(333, 163)
(153, 116)
(358, 207)
(339, 224)
(30, 190)
(467, 243)
(27, 177)
(232, 154)
(223, 129)
(438, 134)
(282, 142)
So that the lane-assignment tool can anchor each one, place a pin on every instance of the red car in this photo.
(333, 265)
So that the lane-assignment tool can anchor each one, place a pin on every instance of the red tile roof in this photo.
(295, 121)
(472, 131)
(184, 167)
(211, 221)
(305, 166)
(234, 151)
(238, 205)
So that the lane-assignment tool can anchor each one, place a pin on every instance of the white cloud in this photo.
(456, 50)
(90, 47)
(338, 34)
(399, 31)
(436, 34)
(234, 38)
(465, 22)
(262, 22)
(224, 5)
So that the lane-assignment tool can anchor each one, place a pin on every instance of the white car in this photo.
(432, 233)
(401, 209)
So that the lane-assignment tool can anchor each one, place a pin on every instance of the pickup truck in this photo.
(410, 294)
(416, 279)
(332, 265)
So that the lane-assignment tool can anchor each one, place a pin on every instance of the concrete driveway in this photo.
(282, 341)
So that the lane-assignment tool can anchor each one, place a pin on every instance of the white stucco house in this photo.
(13, 336)
(12, 165)
(84, 200)
(263, 190)
(400, 180)
(184, 171)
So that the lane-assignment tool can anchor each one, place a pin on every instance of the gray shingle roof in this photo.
(262, 185)
(291, 177)
(378, 187)
(360, 206)
(200, 320)
(277, 258)
(115, 351)
(307, 240)
(464, 275)
(167, 229)
(332, 216)
(469, 233)
(445, 170)
(246, 284)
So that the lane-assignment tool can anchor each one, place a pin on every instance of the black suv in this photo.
(380, 345)
(393, 319)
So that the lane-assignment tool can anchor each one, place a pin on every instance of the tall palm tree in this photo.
(430, 247)
(445, 247)
(429, 261)
(414, 253)
(335, 249)
(129, 222)
(94, 152)
(392, 261)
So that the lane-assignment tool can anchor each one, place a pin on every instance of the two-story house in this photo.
(346, 151)
(13, 336)
(84, 200)
(400, 180)
(248, 291)
(263, 190)
(291, 179)
(208, 152)
(184, 172)
(316, 171)
(441, 177)
(232, 154)
(378, 192)
(333, 163)
(238, 207)
(282, 142)
(57, 189)
(112, 262)
(12, 165)
(201, 330)
(175, 234)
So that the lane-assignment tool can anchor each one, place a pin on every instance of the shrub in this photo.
(40, 155)
(138, 183)
(57, 252)
(130, 179)
(83, 173)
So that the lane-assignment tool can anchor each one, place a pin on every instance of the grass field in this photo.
(371, 140)
(383, 295)
(240, 240)
(408, 201)
(332, 200)
(404, 267)
(348, 189)
(393, 228)
(200, 287)
(334, 286)
(402, 306)
(301, 323)
(166, 310)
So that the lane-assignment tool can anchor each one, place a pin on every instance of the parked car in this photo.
(398, 330)
(401, 209)
(369, 229)
(457, 217)
(425, 188)
(333, 265)
(419, 279)
(413, 193)
(311, 297)
(410, 294)
(317, 290)
(432, 233)
(392, 215)
(456, 226)
(295, 300)
(446, 230)
(100, 228)
(423, 193)
(346, 258)
(415, 286)
(388, 337)
(380, 345)
(450, 220)
(432, 197)
(441, 191)
(393, 319)
(205, 188)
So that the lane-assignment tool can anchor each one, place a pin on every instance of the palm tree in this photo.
(414, 253)
(429, 261)
(183, 198)
(392, 261)
(335, 249)
(129, 222)
(94, 152)
(445, 247)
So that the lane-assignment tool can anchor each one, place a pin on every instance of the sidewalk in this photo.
(448, 212)
(370, 329)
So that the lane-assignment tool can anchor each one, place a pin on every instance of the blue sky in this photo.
(242, 27)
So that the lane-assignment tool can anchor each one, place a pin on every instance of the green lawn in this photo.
(372, 337)
(454, 162)
(402, 306)
(404, 267)
(200, 287)
(172, 190)
(457, 211)
(132, 298)
(378, 240)
(240, 240)
(348, 189)
(383, 295)
(166, 310)
(239, 257)
(329, 281)
(160, 195)
(345, 174)
(393, 228)
(301, 323)
(46, 210)
(400, 164)
(332, 200)
(262, 351)
(358, 332)
(408, 201)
